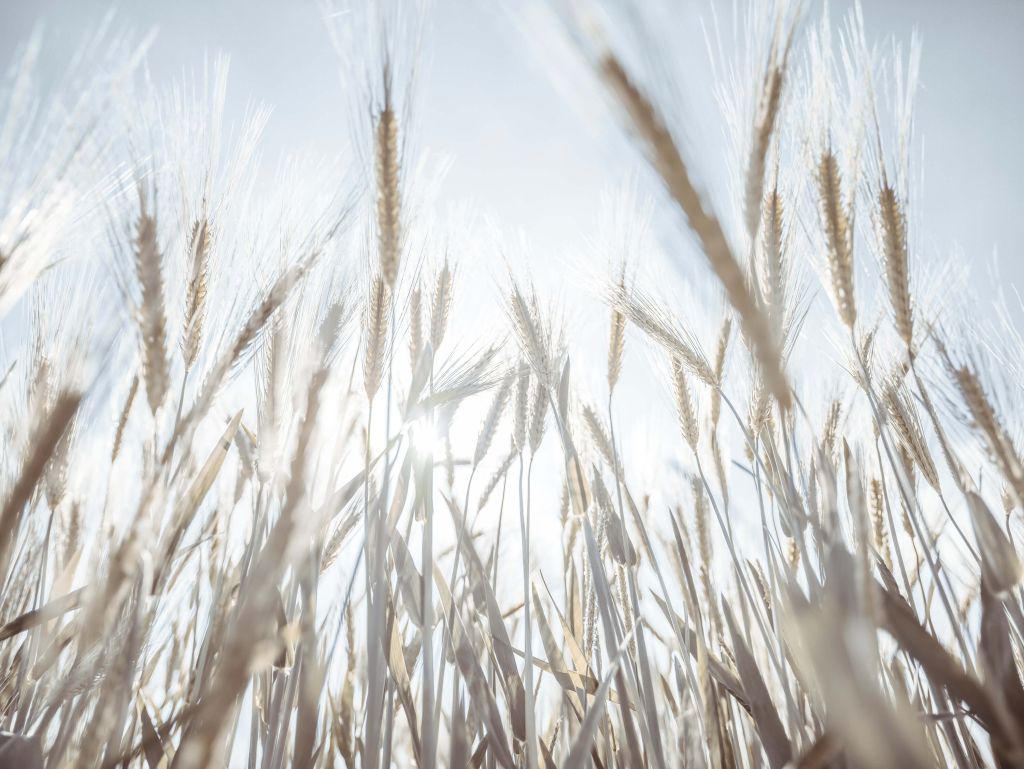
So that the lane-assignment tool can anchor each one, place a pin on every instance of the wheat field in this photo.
(270, 498)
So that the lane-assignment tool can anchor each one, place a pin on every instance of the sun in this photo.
(426, 438)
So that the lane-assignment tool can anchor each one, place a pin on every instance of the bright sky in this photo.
(520, 151)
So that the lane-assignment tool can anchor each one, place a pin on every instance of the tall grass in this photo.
(267, 499)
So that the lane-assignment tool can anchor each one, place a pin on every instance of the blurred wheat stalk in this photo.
(242, 523)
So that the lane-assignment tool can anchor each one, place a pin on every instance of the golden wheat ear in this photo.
(200, 244)
(376, 323)
(387, 166)
(151, 313)
(835, 223)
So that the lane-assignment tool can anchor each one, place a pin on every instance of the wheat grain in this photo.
(200, 244)
(684, 404)
(441, 305)
(376, 324)
(838, 236)
(389, 203)
(151, 313)
(893, 226)
(616, 338)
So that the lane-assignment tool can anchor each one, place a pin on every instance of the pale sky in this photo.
(519, 151)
